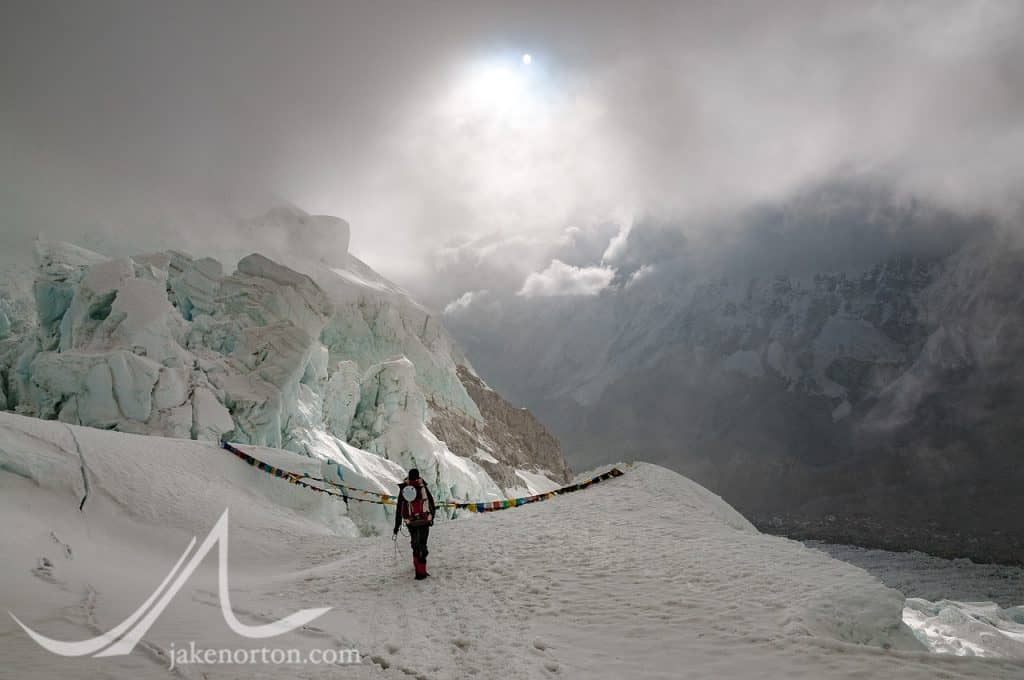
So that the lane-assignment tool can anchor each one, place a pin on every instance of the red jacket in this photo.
(402, 509)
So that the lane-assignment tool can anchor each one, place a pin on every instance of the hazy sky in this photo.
(420, 124)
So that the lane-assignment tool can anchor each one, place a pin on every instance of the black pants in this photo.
(418, 535)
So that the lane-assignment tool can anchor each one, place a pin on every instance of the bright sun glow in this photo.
(512, 91)
(494, 85)
(499, 91)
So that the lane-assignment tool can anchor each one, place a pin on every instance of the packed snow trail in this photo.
(645, 576)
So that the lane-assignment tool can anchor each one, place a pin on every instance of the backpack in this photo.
(416, 509)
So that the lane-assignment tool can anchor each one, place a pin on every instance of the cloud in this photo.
(617, 245)
(640, 274)
(564, 279)
(409, 122)
(463, 302)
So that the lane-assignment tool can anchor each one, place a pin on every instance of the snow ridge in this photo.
(648, 575)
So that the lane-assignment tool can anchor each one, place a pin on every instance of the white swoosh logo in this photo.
(124, 641)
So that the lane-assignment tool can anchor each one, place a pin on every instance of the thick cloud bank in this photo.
(843, 365)
(422, 126)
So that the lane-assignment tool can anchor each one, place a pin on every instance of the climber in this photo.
(416, 507)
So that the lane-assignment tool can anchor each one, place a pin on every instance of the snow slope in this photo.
(645, 576)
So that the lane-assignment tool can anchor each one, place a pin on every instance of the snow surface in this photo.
(535, 483)
(953, 606)
(645, 576)
(967, 628)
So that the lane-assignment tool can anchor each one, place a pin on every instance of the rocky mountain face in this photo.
(879, 407)
(882, 408)
(506, 439)
(323, 358)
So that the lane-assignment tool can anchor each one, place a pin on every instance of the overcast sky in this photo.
(420, 124)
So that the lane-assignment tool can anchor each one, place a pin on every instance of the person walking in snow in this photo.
(416, 508)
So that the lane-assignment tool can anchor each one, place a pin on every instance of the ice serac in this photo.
(60, 266)
(194, 283)
(373, 319)
(374, 322)
(290, 231)
(17, 319)
(341, 397)
(391, 421)
(325, 359)
(261, 345)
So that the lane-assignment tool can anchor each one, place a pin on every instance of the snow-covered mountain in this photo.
(875, 403)
(648, 575)
(321, 367)
(323, 357)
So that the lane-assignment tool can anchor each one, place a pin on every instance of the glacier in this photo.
(322, 357)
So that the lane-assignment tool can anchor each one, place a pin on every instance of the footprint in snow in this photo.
(44, 570)
(67, 547)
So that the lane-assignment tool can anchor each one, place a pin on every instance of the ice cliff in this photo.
(323, 357)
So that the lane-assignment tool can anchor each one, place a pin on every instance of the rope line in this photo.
(388, 499)
(296, 479)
